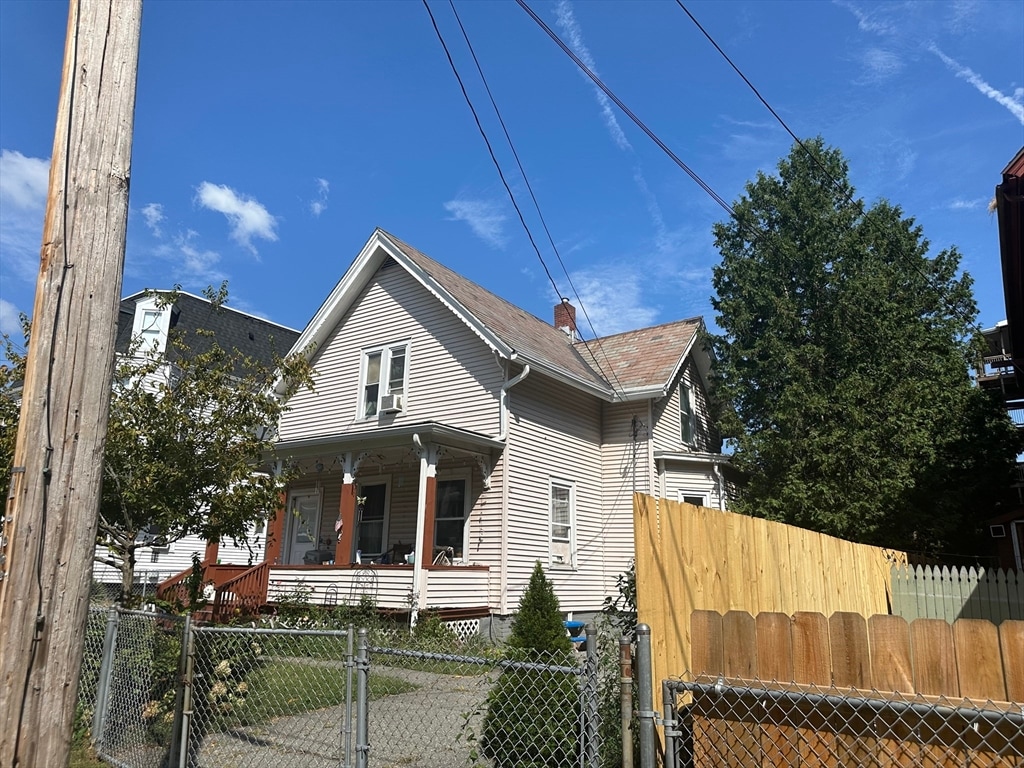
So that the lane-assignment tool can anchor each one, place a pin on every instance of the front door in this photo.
(303, 524)
(372, 530)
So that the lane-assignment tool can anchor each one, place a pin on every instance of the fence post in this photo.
(179, 694)
(187, 686)
(670, 724)
(645, 696)
(591, 708)
(349, 673)
(99, 715)
(362, 675)
(626, 699)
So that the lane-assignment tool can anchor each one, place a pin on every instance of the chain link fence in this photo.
(715, 722)
(511, 708)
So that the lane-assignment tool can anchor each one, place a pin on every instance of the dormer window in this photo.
(384, 380)
(151, 326)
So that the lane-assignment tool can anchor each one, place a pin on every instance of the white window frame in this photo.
(705, 501)
(151, 325)
(557, 559)
(383, 384)
(466, 477)
(687, 415)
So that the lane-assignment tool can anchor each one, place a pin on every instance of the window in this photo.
(150, 332)
(371, 510)
(383, 375)
(450, 515)
(696, 498)
(563, 503)
(686, 412)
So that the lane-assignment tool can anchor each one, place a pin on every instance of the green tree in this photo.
(189, 446)
(843, 367)
(531, 719)
(12, 376)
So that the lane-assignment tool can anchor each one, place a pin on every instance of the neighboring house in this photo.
(1002, 369)
(451, 429)
(144, 324)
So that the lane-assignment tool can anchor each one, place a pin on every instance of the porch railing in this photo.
(245, 594)
(175, 588)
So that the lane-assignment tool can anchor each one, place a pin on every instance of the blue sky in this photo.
(272, 137)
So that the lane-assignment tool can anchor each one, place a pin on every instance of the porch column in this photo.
(424, 524)
(275, 531)
(212, 551)
(346, 513)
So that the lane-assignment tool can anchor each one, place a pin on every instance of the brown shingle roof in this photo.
(535, 340)
(647, 357)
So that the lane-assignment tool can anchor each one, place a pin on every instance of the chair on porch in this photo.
(397, 553)
(364, 584)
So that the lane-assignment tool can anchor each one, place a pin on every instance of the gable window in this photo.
(563, 523)
(384, 380)
(688, 420)
(450, 515)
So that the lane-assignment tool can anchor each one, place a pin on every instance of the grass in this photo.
(82, 756)
(293, 687)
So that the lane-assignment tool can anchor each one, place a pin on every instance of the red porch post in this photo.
(275, 532)
(347, 513)
(212, 551)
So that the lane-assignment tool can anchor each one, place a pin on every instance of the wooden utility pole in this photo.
(49, 529)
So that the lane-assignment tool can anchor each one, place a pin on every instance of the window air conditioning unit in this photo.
(391, 404)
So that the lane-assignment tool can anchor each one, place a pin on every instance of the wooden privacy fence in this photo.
(931, 592)
(691, 558)
(917, 675)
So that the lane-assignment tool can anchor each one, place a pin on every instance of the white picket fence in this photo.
(931, 592)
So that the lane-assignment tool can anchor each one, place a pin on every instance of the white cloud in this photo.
(153, 213)
(870, 22)
(1013, 105)
(566, 21)
(10, 322)
(199, 265)
(613, 295)
(23, 186)
(319, 204)
(880, 65)
(978, 203)
(484, 218)
(247, 216)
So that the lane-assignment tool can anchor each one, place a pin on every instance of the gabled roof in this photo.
(232, 329)
(643, 361)
(648, 358)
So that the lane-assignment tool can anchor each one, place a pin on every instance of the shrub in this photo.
(531, 719)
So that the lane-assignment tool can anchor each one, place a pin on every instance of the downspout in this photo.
(503, 436)
(716, 469)
(421, 558)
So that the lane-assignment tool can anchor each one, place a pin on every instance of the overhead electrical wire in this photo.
(533, 197)
(847, 195)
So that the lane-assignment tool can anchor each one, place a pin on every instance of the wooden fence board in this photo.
(934, 658)
(892, 669)
(779, 740)
(1011, 645)
(851, 668)
(978, 660)
(708, 643)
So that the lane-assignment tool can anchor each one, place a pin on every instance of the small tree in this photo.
(531, 719)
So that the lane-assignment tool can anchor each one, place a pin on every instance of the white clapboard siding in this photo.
(486, 546)
(625, 468)
(391, 588)
(554, 432)
(452, 374)
(668, 434)
(172, 559)
(457, 588)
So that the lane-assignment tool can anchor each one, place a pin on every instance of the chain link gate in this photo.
(268, 697)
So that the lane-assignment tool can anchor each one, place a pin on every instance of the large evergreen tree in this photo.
(843, 366)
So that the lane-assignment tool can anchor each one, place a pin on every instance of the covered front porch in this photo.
(393, 513)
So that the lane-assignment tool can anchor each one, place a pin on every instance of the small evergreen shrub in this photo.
(532, 716)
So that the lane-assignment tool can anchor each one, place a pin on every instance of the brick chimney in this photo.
(565, 318)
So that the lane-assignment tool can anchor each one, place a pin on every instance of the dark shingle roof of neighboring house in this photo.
(232, 329)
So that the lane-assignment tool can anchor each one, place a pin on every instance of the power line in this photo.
(536, 203)
(847, 194)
